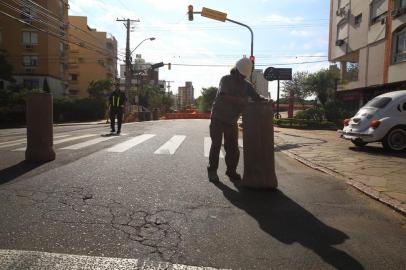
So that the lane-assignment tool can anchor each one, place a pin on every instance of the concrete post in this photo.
(258, 140)
(39, 128)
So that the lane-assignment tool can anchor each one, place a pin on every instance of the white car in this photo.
(383, 119)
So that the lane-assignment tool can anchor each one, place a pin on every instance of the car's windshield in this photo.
(378, 102)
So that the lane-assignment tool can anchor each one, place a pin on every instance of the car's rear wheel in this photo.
(359, 142)
(395, 140)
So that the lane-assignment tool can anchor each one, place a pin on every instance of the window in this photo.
(358, 20)
(61, 49)
(30, 60)
(342, 30)
(399, 45)
(400, 4)
(31, 83)
(379, 8)
(352, 70)
(30, 37)
(379, 102)
(74, 77)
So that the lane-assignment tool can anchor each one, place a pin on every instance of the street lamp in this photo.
(151, 38)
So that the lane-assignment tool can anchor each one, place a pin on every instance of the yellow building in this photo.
(92, 56)
(36, 49)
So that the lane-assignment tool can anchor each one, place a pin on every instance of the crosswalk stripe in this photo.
(62, 140)
(22, 141)
(170, 147)
(36, 260)
(130, 143)
(207, 145)
(88, 143)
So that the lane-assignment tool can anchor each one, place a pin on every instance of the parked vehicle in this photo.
(383, 119)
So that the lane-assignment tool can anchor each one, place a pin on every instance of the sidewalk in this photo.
(380, 174)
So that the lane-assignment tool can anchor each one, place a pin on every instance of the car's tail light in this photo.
(346, 122)
(375, 124)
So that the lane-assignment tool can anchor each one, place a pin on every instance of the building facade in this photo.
(36, 49)
(92, 56)
(368, 42)
(185, 97)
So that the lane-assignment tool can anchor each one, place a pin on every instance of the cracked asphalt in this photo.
(138, 205)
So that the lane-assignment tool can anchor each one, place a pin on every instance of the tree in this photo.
(46, 86)
(98, 89)
(297, 86)
(322, 84)
(207, 98)
(6, 69)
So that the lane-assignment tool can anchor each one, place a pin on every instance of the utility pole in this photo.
(169, 85)
(128, 61)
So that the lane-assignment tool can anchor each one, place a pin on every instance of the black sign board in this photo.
(282, 74)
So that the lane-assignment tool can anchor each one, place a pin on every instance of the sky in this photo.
(286, 34)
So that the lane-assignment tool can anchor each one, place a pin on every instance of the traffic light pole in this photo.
(252, 37)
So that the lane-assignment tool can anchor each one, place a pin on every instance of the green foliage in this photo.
(205, 101)
(78, 109)
(336, 111)
(297, 87)
(322, 84)
(6, 69)
(46, 86)
(99, 89)
(153, 97)
(304, 124)
(315, 114)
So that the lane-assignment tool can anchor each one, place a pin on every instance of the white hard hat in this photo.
(244, 66)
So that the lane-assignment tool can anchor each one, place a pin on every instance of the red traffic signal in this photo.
(190, 12)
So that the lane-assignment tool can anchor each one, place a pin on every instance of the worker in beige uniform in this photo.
(230, 101)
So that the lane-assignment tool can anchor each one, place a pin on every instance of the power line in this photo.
(262, 65)
(104, 51)
(49, 32)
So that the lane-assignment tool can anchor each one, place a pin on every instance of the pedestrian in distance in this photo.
(117, 100)
(231, 99)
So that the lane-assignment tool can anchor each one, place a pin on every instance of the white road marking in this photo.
(207, 145)
(240, 143)
(130, 143)
(170, 147)
(22, 141)
(89, 143)
(62, 140)
(35, 260)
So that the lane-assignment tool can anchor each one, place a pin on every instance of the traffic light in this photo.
(190, 12)
(169, 66)
(157, 65)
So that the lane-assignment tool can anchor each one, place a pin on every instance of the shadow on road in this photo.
(11, 173)
(288, 222)
(377, 151)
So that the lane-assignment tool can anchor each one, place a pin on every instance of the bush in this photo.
(68, 109)
(315, 114)
(304, 123)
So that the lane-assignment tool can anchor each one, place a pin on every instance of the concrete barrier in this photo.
(39, 128)
(258, 140)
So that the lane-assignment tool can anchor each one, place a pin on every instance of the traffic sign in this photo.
(282, 74)
(214, 14)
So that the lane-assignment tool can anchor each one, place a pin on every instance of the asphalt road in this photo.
(131, 198)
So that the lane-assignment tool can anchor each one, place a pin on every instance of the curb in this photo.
(372, 193)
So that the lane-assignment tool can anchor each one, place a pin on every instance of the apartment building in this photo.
(37, 48)
(185, 96)
(92, 56)
(368, 42)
